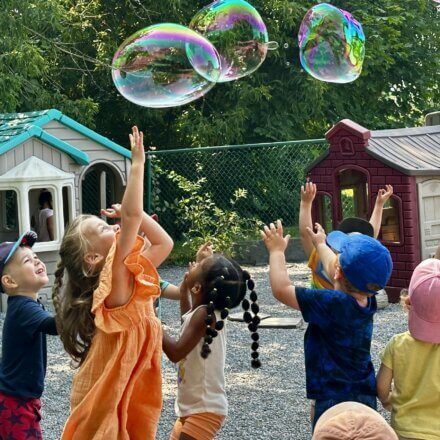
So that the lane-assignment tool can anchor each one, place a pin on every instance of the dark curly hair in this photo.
(224, 287)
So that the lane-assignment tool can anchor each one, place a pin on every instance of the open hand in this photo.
(137, 146)
(205, 251)
(113, 212)
(317, 237)
(184, 285)
(383, 195)
(308, 192)
(273, 237)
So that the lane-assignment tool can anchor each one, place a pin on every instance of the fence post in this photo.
(149, 182)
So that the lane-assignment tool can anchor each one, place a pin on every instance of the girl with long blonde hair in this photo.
(106, 317)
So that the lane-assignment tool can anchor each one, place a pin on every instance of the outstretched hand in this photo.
(273, 237)
(317, 237)
(137, 146)
(308, 192)
(205, 251)
(383, 195)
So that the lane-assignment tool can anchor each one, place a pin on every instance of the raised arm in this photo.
(308, 193)
(185, 296)
(161, 244)
(326, 255)
(376, 216)
(131, 216)
(178, 350)
(132, 202)
(276, 244)
(171, 292)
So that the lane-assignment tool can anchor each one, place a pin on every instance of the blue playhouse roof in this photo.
(16, 128)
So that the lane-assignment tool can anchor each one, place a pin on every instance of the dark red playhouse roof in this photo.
(413, 151)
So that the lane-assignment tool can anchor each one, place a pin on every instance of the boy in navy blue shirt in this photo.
(338, 338)
(24, 353)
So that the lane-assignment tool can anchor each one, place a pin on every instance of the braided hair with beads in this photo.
(225, 288)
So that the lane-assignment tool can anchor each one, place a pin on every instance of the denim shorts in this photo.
(323, 405)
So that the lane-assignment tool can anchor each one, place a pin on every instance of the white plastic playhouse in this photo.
(46, 151)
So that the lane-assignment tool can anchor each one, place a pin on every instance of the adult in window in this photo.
(45, 217)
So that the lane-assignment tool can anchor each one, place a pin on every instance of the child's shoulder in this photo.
(401, 340)
(21, 303)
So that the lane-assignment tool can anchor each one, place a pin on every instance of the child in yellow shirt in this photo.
(412, 361)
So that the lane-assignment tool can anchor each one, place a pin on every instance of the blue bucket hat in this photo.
(366, 263)
(8, 248)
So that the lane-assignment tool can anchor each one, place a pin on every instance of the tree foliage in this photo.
(40, 68)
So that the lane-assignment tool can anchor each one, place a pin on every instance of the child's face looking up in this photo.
(25, 272)
(196, 273)
(100, 235)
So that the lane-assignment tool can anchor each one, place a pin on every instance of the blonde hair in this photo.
(73, 307)
(404, 294)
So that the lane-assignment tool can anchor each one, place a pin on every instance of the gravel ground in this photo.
(265, 404)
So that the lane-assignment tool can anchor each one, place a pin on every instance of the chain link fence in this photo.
(198, 192)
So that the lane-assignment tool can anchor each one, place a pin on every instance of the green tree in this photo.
(33, 74)
(398, 85)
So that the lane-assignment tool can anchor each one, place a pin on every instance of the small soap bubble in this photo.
(272, 45)
(239, 34)
(165, 65)
(332, 44)
(286, 45)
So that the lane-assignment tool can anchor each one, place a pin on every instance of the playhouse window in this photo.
(9, 228)
(324, 211)
(353, 186)
(42, 210)
(390, 227)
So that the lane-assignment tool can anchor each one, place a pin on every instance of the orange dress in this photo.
(117, 392)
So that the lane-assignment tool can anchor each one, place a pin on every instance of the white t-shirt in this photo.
(201, 382)
(43, 233)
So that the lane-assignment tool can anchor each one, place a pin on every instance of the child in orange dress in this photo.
(106, 316)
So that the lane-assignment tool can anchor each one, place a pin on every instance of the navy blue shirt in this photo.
(337, 344)
(24, 352)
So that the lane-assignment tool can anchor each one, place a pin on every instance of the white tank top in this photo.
(201, 382)
(42, 231)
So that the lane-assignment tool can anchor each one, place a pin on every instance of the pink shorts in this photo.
(202, 426)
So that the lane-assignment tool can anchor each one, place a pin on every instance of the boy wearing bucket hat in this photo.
(23, 362)
(412, 360)
(338, 338)
(322, 264)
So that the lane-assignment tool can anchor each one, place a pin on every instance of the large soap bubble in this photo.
(332, 44)
(165, 65)
(238, 33)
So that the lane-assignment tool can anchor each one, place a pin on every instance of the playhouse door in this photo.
(429, 202)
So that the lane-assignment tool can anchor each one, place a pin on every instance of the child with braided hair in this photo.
(215, 285)
(106, 316)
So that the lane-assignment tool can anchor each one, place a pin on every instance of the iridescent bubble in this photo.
(165, 65)
(238, 33)
(332, 44)
(286, 45)
(273, 45)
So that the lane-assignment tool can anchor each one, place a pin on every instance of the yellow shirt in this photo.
(416, 394)
(320, 279)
